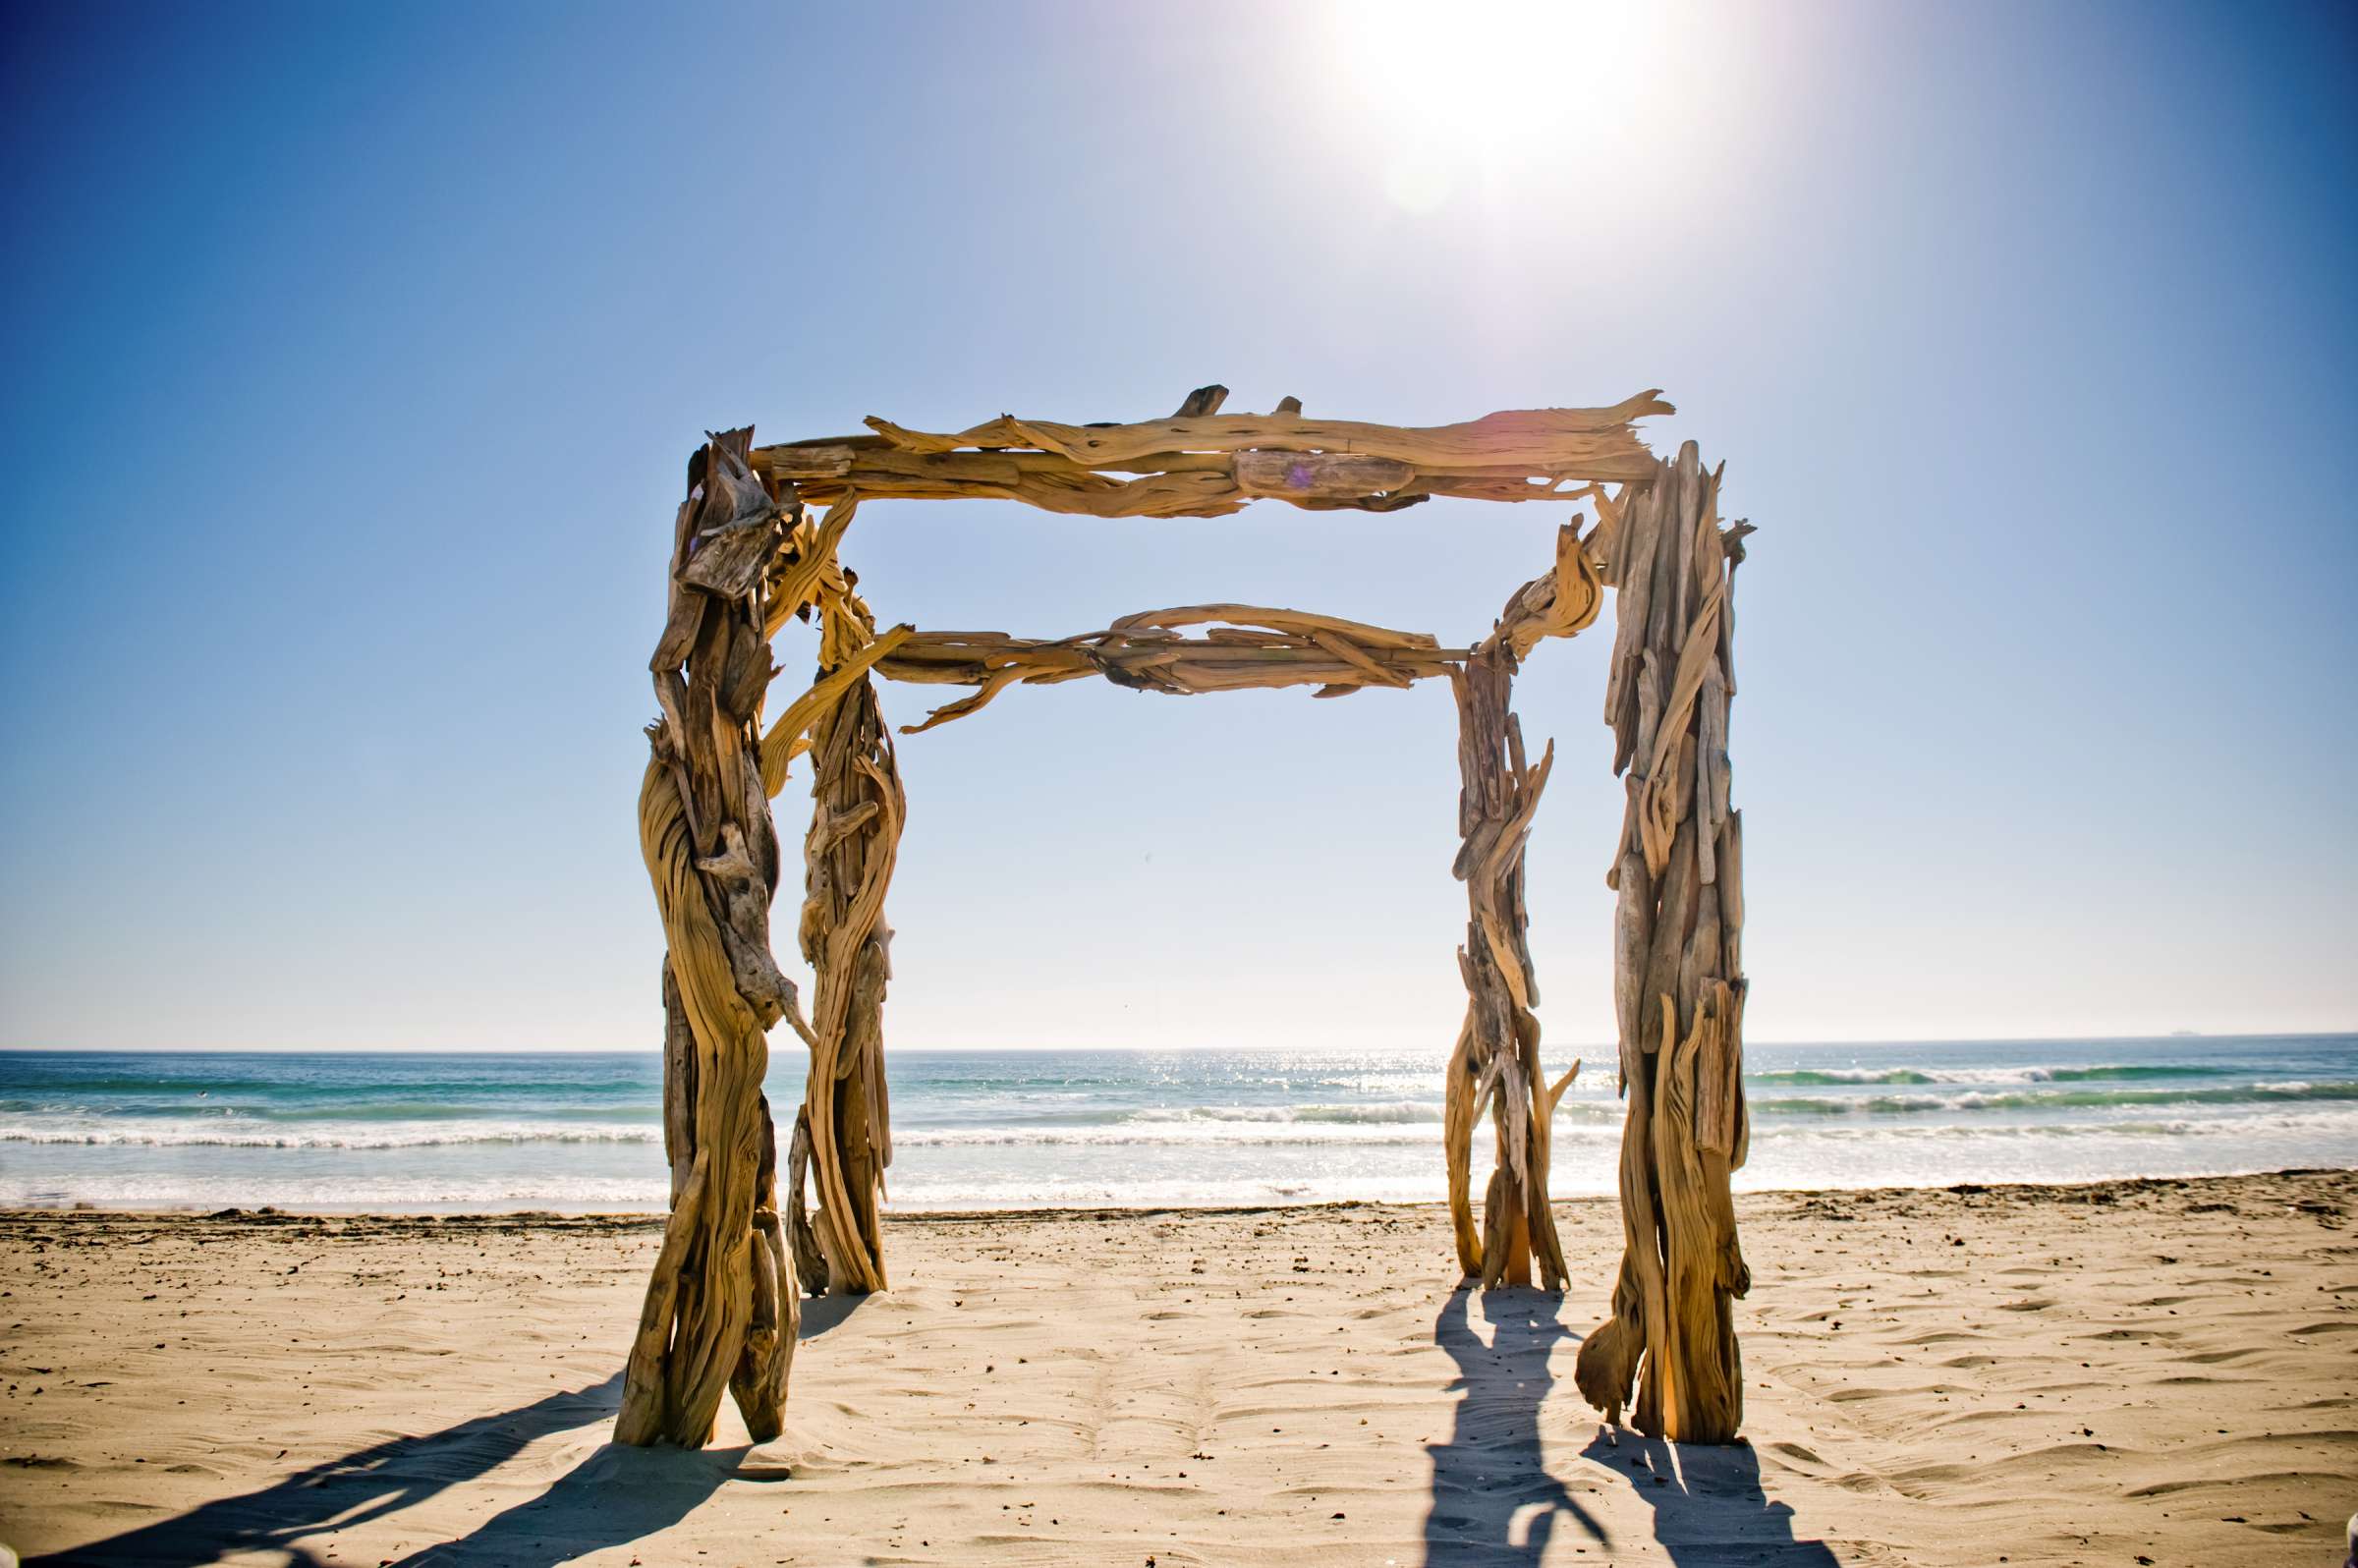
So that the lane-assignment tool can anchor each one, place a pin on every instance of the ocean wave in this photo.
(398, 1077)
(2054, 1099)
(1205, 1134)
(214, 1135)
(1398, 1122)
(2325, 1121)
(343, 1194)
(1391, 1113)
(404, 1110)
(2322, 1118)
(2124, 1073)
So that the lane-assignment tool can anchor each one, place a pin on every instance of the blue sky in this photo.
(354, 355)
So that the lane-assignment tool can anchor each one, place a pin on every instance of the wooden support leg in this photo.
(1678, 980)
(718, 1310)
(842, 1140)
(855, 835)
(1497, 1054)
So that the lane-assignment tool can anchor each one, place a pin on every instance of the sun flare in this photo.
(1453, 95)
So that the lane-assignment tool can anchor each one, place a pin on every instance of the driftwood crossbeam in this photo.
(756, 542)
(1201, 463)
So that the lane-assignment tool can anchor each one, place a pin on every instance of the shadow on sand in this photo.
(612, 1498)
(1494, 1501)
(1708, 1509)
(361, 1486)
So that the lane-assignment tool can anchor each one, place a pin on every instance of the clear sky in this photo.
(353, 355)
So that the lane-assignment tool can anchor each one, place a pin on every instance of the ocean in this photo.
(1029, 1129)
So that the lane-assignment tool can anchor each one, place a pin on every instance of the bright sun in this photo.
(1475, 93)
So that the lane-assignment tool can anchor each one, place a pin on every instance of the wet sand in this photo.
(2163, 1371)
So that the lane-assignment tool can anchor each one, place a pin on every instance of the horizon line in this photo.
(1074, 1050)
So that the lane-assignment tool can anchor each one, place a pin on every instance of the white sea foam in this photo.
(247, 1190)
(1385, 1113)
(2026, 1073)
(210, 1134)
(1191, 1134)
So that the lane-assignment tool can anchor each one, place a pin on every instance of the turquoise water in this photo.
(1018, 1129)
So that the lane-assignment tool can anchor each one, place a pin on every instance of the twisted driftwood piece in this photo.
(1678, 985)
(1201, 463)
(722, 1307)
(1256, 647)
(1497, 1057)
(723, 1302)
(858, 808)
(842, 1135)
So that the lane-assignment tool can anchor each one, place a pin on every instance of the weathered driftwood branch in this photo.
(809, 1262)
(1496, 1062)
(721, 1304)
(842, 1135)
(1537, 436)
(858, 807)
(1678, 983)
(1255, 648)
(1200, 463)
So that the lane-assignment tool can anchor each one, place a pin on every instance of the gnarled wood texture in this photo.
(1496, 1062)
(843, 1134)
(1678, 983)
(848, 858)
(722, 1301)
(1255, 648)
(1201, 463)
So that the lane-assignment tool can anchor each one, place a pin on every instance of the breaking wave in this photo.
(2126, 1073)
(2058, 1100)
(220, 1135)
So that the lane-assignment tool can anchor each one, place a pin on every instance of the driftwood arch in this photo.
(757, 542)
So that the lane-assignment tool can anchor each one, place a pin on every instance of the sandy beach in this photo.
(2143, 1371)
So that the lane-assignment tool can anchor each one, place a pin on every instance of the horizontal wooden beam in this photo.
(1251, 647)
(1206, 463)
(1538, 437)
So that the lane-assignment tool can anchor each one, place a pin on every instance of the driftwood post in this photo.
(848, 856)
(842, 1135)
(721, 1304)
(1497, 1057)
(1678, 983)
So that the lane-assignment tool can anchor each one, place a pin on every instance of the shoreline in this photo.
(656, 1217)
